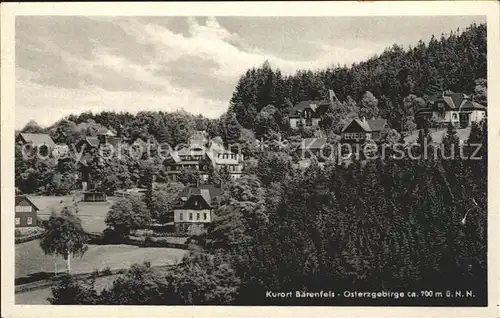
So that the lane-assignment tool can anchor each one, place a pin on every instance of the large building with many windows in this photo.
(198, 157)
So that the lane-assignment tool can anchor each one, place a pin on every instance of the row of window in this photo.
(187, 158)
(229, 167)
(442, 115)
(226, 156)
(24, 208)
(29, 221)
(203, 168)
(187, 167)
(220, 155)
(356, 135)
(190, 216)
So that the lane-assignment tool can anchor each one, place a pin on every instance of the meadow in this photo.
(92, 214)
(31, 260)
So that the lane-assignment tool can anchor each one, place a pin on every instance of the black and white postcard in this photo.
(232, 159)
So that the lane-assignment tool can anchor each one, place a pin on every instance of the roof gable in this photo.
(202, 199)
(371, 125)
(316, 106)
(21, 198)
(208, 192)
(357, 125)
(376, 124)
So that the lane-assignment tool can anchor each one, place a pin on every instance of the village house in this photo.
(197, 157)
(92, 143)
(360, 130)
(35, 140)
(26, 212)
(308, 113)
(456, 108)
(194, 208)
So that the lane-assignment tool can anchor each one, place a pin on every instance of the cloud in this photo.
(69, 65)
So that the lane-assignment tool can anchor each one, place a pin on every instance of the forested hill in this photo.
(454, 62)
(389, 86)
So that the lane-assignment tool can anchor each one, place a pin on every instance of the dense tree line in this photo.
(373, 225)
(454, 62)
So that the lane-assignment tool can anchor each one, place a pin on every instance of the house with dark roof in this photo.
(26, 212)
(194, 207)
(360, 130)
(456, 108)
(89, 143)
(307, 113)
(36, 140)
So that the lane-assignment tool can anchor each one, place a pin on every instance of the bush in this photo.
(107, 271)
(17, 233)
(148, 239)
(69, 291)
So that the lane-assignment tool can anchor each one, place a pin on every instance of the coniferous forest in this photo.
(370, 226)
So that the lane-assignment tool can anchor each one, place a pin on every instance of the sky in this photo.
(71, 64)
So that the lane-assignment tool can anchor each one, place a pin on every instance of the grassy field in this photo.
(92, 214)
(30, 259)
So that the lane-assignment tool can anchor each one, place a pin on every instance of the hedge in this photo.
(19, 240)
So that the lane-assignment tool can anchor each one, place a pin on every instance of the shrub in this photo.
(17, 233)
(148, 239)
(107, 271)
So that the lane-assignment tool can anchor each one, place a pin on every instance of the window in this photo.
(454, 116)
(181, 216)
(30, 220)
(18, 221)
(23, 208)
(197, 216)
(190, 216)
(204, 216)
(195, 203)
